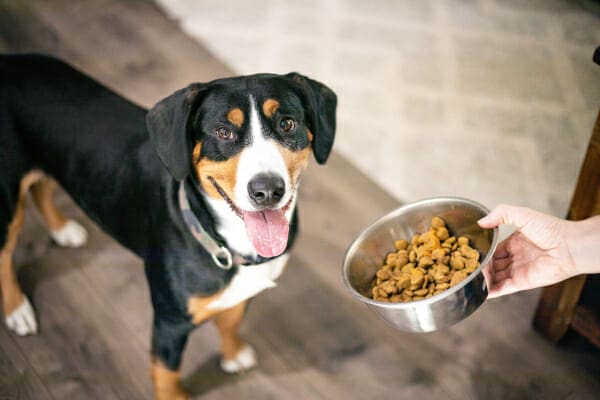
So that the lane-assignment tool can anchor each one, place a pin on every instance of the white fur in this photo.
(244, 360)
(22, 320)
(231, 227)
(70, 235)
(262, 156)
(249, 281)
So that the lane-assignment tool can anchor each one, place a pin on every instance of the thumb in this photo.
(506, 215)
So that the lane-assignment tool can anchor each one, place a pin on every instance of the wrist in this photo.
(583, 241)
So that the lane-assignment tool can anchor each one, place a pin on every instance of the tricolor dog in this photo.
(203, 187)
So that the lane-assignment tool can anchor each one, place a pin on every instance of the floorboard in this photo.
(313, 340)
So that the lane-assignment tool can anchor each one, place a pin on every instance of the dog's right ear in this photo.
(168, 123)
(321, 104)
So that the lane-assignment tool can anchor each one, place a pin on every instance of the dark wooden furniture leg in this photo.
(558, 309)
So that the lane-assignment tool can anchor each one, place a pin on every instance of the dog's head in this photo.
(247, 141)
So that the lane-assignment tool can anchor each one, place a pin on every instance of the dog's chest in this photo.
(231, 228)
(249, 281)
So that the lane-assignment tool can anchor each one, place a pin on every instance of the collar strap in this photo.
(220, 254)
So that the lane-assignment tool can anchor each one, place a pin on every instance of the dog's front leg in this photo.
(168, 341)
(236, 355)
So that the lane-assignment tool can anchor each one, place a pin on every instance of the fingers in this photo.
(506, 248)
(501, 264)
(544, 231)
(499, 275)
(515, 264)
(504, 274)
(501, 278)
(507, 215)
(498, 272)
(497, 289)
(503, 249)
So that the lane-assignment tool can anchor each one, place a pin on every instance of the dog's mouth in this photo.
(268, 229)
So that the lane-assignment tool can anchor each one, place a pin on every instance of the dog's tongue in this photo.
(268, 231)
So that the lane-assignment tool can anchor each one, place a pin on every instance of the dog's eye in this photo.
(224, 133)
(287, 124)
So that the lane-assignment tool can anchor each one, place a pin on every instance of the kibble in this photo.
(424, 266)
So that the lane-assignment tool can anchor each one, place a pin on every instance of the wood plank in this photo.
(18, 380)
(558, 302)
(317, 329)
(586, 322)
(74, 304)
(81, 350)
(129, 46)
(31, 35)
(586, 199)
(556, 307)
(331, 231)
(313, 340)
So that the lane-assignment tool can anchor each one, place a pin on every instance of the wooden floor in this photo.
(313, 340)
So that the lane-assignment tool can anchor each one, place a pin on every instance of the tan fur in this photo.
(197, 152)
(269, 107)
(166, 382)
(310, 135)
(228, 323)
(197, 308)
(236, 117)
(296, 161)
(12, 296)
(42, 195)
(224, 172)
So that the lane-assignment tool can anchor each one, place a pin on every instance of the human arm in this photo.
(542, 251)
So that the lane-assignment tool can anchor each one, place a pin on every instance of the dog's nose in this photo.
(266, 190)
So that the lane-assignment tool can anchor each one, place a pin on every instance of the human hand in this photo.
(544, 250)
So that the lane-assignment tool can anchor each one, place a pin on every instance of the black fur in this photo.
(121, 165)
(321, 104)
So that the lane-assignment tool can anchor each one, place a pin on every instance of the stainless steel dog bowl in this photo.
(368, 251)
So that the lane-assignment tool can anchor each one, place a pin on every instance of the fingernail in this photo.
(483, 220)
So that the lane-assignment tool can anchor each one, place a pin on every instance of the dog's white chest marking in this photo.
(249, 281)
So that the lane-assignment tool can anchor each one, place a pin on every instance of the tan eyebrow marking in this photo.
(236, 117)
(269, 107)
(196, 152)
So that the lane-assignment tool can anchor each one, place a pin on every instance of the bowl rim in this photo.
(391, 214)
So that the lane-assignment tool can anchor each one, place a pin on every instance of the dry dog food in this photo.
(427, 265)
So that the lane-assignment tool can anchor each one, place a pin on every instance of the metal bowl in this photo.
(368, 251)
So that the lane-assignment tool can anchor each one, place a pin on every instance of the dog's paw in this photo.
(243, 360)
(22, 320)
(70, 235)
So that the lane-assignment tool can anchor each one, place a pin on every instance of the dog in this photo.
(203, 187)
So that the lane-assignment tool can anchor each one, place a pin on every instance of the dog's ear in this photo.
(321, 103)
(168, 123)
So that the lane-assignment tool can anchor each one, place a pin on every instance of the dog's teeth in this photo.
(22, 319)
(70, 235)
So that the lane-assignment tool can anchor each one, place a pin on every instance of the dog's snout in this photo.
(266, 190)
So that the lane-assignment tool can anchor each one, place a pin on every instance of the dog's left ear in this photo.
(168, 123)
(321, 103)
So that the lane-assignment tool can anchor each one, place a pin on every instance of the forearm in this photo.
(583, 242)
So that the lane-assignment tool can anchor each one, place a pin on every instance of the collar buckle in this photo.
(220, 254)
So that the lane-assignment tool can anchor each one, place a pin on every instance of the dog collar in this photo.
(220, 254)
